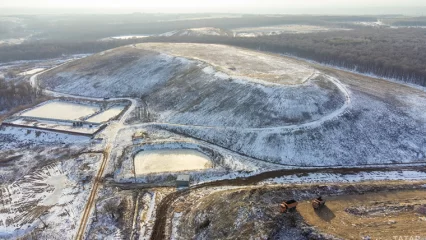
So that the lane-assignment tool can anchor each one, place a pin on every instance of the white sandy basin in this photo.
(59, 183)
(106, 115)
(61, 110)
(170, 160)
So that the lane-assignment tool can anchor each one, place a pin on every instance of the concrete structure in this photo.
(182, 181)
(82, 128)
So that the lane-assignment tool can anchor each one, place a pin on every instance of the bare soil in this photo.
(250, 201)
(238, 61)
(380, 215)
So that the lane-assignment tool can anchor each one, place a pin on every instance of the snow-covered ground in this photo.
(250, 31)
(374, 129)
(206, 31)
(149, 214)
(133, 74)
(250, 96)
(10, 137)
(370, 24)
(245, 125)
(226, 164)
(32, 71)
(280, 29)
(124, 37)
(357, 123)
(48, 201)
(55, 125)
(343, 178)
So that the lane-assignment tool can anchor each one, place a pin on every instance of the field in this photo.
(156, 161)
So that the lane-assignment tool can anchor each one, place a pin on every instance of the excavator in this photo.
(318, 203)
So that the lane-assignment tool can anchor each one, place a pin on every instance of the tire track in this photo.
(92, 197)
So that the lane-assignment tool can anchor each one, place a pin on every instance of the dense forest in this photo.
(398, 53)
(392, 53)
(94, 27)
(406, 21)
(52, 49)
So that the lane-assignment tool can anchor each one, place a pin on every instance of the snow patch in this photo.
(32, 71)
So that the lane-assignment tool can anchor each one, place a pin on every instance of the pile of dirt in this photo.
(378, 211)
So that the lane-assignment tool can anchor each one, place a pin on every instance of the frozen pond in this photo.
(170, 160)
(61, 110)
(106, 115)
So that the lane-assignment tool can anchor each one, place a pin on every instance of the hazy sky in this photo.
(235, 6)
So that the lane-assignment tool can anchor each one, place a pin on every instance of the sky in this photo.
(222, 6)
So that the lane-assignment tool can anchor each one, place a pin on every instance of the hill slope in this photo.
(182, 91)
(245, 104)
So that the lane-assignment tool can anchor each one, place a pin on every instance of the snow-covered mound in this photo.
(246, 104)
(385, 123)
(206, 31)
(120, 72)
(239, 62)
(192, 92)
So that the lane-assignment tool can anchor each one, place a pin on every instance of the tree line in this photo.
(38, 50)
(12, 95)
(392, 53)
(94, 27)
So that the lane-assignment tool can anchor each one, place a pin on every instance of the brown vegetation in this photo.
(13, 95)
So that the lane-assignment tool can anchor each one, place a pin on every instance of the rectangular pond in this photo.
(61, 110)
(106, 115)
(170, 160)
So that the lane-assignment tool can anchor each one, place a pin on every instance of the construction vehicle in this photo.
(139, 135)
(289, 205)
(318, 203)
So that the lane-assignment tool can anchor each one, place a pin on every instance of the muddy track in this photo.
(92, 197)
(159, 229)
